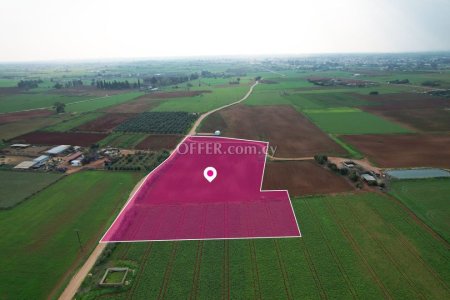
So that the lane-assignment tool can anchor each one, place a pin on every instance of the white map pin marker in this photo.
(210, 173)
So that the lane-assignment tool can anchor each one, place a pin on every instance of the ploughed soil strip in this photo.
(404, 150)
(105, 123)
(303, 178)
(283, 127)
(156, 142)
(24, 115)
(60, 138)
(418, 111)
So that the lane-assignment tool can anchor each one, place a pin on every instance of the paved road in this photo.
(77, 279)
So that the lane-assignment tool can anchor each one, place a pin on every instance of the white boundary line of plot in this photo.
(205, 239)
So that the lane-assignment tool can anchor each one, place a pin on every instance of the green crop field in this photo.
(18, 186)
(11, 130)
(353, 246)
(206, 101)
(32, 100)
(123, 140)
(102, 102)
(69, 124)
(352, 121)
(428, 199)
(39, 243)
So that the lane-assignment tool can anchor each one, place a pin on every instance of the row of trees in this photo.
(69, 84)
(117, 85)
(29, 84)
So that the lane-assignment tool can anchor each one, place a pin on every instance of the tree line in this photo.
(29, 84)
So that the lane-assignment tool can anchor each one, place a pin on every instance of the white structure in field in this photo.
(217, 132)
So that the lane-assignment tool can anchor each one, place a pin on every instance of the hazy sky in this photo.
(95, 29)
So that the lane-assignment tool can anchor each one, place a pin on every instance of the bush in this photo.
(320, 158)
(332, 167)
(373, 93)
(353, 176)
(344, 171)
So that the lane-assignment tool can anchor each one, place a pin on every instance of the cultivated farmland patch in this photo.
(60, 138)
(302, 178)
(403, 151)
(24, 115)
(156, 142)
(105, 123)
(290, 132)
(159, 122)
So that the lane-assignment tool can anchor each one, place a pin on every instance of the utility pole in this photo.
(79, 239)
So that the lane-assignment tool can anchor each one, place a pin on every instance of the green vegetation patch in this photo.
(70, 124)
(123, 140)
(353, 246)
(352, 121)
(428, 199)
(39, 241)
(102, 102)
(18, 186)
(159, 122)
(140, 161)
(204, 102)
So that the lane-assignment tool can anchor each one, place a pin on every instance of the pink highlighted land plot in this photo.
(176, 202)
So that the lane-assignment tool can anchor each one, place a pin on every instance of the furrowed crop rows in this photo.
(159, 122)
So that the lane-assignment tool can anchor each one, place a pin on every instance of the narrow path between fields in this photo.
(75, 283)
(203, 116)
(51, 107)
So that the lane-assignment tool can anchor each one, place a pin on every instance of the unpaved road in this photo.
(203, 116)
(75, 283)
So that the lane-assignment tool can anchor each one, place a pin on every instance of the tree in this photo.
(59, 107)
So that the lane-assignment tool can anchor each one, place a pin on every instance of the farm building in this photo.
(73, 156)
(39, 161)
(368, 178)
(349, 164)
(20, 146)
(76, 163)
(58, 149)
(25, 165)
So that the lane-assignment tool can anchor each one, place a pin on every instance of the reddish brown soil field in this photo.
(303, 178)
(404, 101)
(175, 94)
(291, 132)
(60, 138)
(5, 91)
(158, 142)
(425, 119)
(24, 115)
(139, 105)
(105, 123)
(404, 150)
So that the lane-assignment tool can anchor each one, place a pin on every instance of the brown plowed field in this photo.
(425, 119)
(24, 115)
(60, 138)
(156, 142)
(105, 123)
(404, 150)
(303, 178)
(405, 101)
(285, 128)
